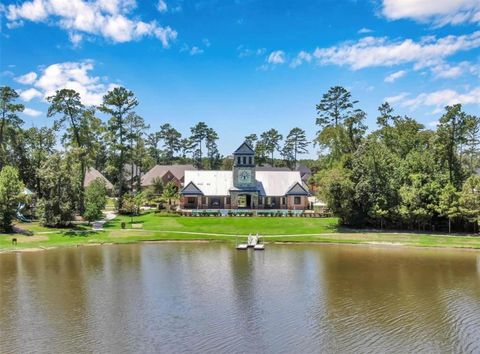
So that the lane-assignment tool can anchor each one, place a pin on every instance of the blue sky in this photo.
(245, 66)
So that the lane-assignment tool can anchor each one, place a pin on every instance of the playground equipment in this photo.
(20, 216)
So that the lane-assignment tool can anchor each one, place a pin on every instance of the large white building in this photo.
(245, 187)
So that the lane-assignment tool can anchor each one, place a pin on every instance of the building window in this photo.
(282, 201)
(249, 160)
(204, 200)
(244, 160)
(227, 200)
(215, 202)
(238, 160)
(191, 200)
(270, 202)
(260, 200)
(297, 200)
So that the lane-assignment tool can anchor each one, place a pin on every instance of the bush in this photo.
(165, 213)
(95, 200)
(10, 195)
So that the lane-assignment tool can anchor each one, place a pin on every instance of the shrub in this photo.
(10, 194)
(95, 200)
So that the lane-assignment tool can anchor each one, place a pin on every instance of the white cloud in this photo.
(75, 38)
(364, 30)
(246, 52)
(397, 98)
(206, 42)
(31, 112)
(439, 12)
(437, 99)
(301, 58)
(162, 6)
(107, 18)
(396, 75)
(7, 73)
(71, 75)
(443, 98)
(451, 71)
(375, 51)
(27, 79)
(195, 50)
(276, 57)
(29, 94)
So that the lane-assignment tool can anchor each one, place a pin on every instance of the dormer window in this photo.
(244, 160)
(238, 160)
(250, 160)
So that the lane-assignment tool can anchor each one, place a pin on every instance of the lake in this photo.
(207, 297)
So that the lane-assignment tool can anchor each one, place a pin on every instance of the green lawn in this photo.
(224, 229)
(231, 225)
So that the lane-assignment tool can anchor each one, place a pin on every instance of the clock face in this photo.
(244, 176)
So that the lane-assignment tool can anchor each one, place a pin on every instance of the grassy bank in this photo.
(151, 227)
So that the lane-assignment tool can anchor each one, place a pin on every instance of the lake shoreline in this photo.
(148, 227)
(204, 241)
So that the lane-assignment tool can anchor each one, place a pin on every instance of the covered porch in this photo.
(205, 202)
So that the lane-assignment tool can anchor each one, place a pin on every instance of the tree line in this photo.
(53, 161)
(401, 175)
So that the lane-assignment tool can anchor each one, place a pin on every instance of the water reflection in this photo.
(211, 298)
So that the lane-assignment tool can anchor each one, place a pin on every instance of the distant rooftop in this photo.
(92, 174)
(159, 171)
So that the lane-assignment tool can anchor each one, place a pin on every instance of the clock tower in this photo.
(244, 168)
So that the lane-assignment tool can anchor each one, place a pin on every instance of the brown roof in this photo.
(159, 171)
(92, 174)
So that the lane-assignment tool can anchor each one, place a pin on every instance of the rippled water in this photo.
(167, 298)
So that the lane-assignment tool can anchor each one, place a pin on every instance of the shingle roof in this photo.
(303, 169)
(297, 189)
(191, 189)
(244, 149)
(220, 183)
(159, 171)
(92, 174)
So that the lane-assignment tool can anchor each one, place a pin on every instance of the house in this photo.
(245, 187)
(305, 172)
(92, 174)
(167, 173)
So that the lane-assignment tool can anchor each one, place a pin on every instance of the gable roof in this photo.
(220, 183)
(191, 189)
(159, 171)
(297, 189)
(303, 169)
(92, 174)
(244, 149)
(277, 183)
(210, 183)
